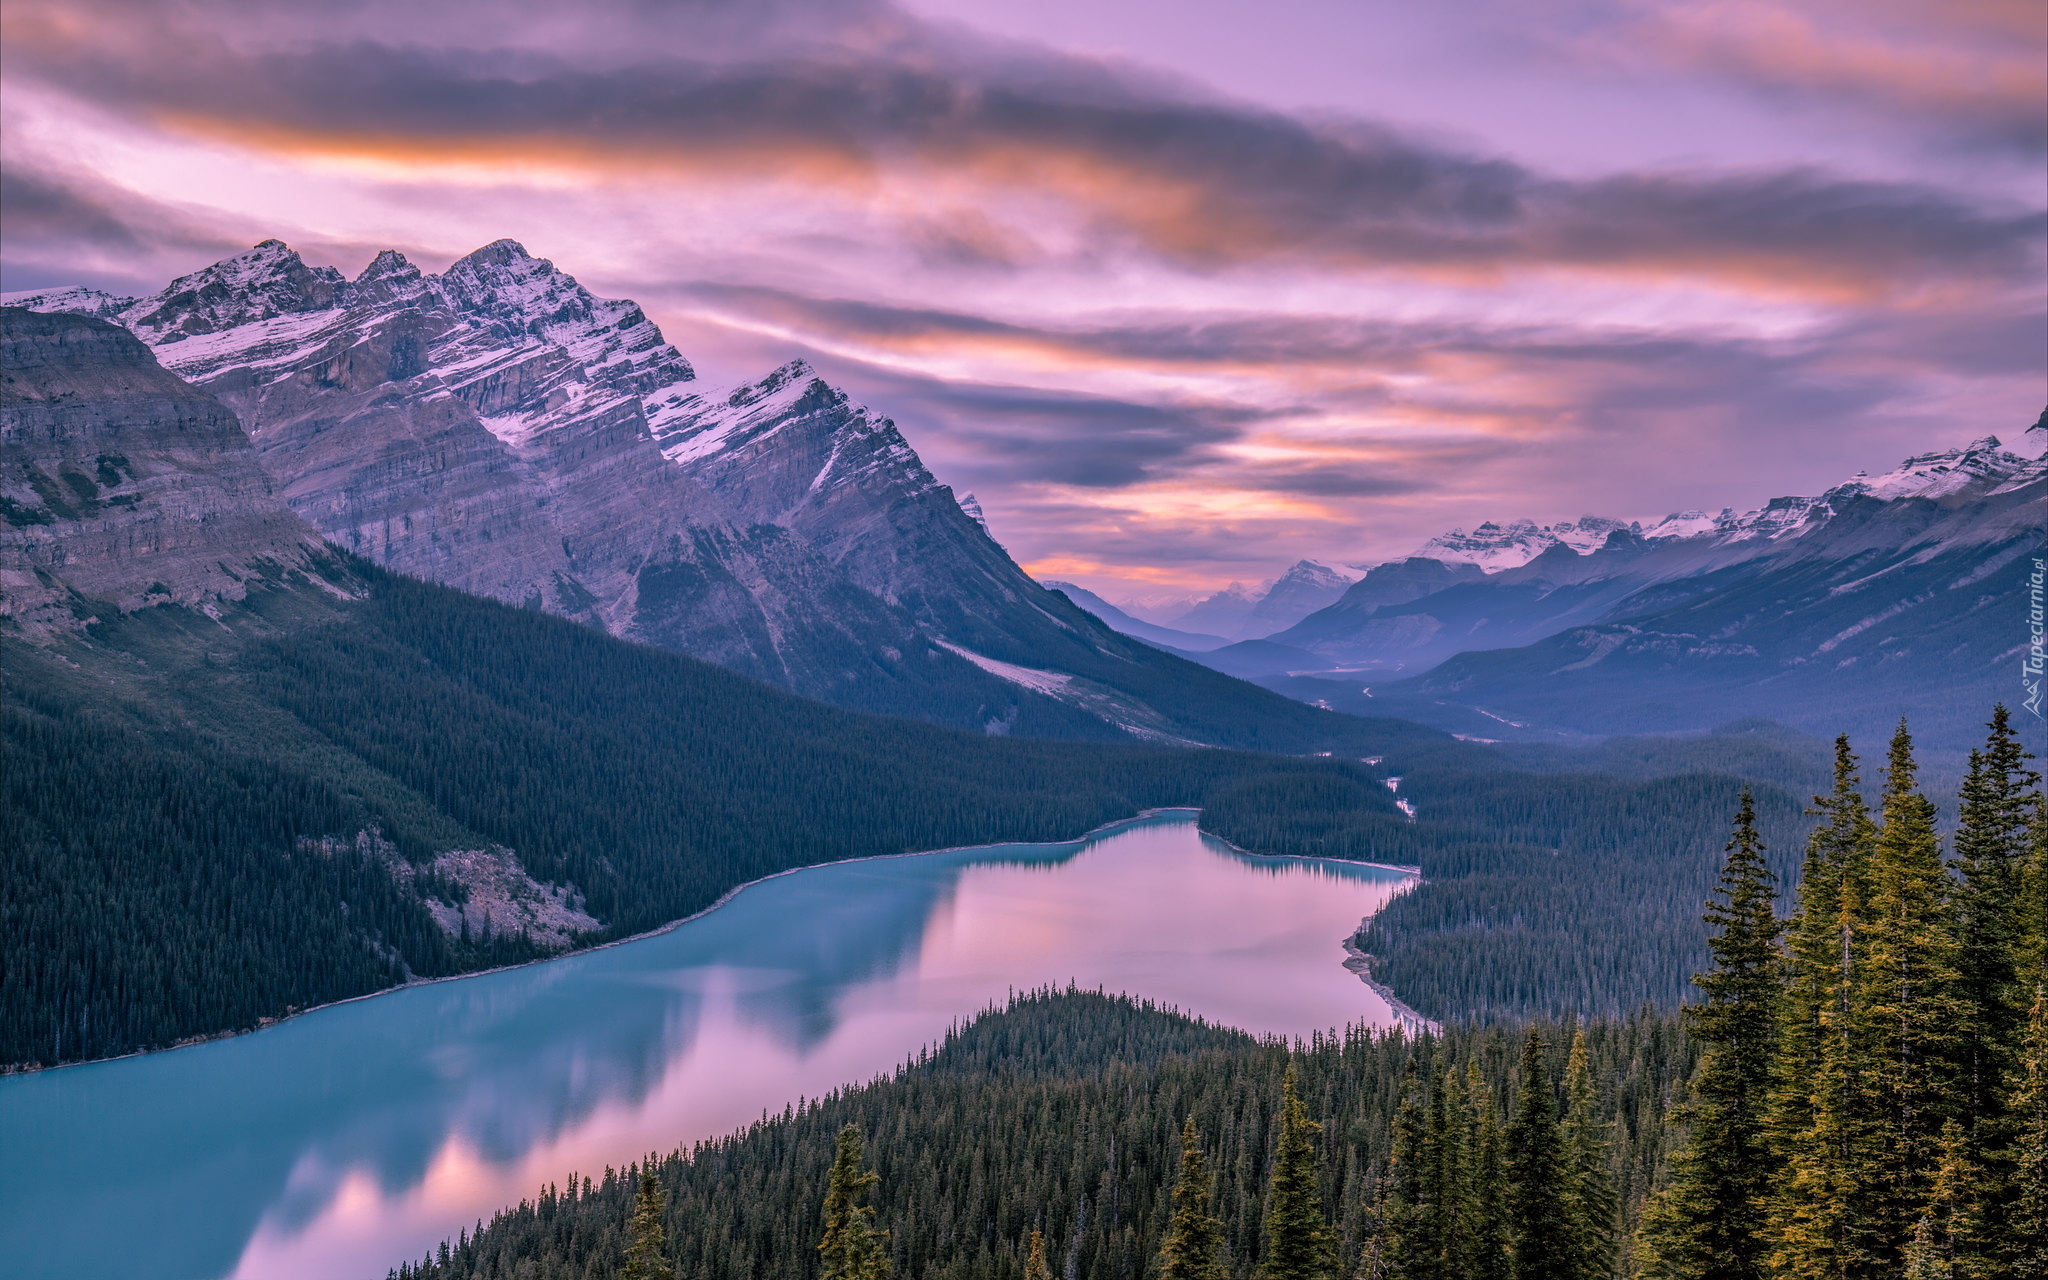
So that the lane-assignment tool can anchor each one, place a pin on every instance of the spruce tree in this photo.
(1708, 1223)
(1449, 1183)
(2031, 944)
(1909, 998)
(1818, 1124)
(1412, 1249)
(1485, 1255)
(1991, 849)
(1589, 1189)
(1298, 1239)
(1194, 1241)
(1035, 1267)
(852, 1249)
(647, 1247)
(2027, 1220)
(1543, 1247)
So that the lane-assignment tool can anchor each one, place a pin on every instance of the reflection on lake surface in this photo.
(341, 1142)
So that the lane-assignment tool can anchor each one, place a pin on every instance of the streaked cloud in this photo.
(1198, 335)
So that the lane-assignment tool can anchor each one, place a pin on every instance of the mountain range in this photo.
(499, 429)
(1899, 594)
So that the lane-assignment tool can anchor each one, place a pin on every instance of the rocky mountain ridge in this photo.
(500, 429)
(1882, 594)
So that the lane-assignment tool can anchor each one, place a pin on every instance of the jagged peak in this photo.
(387, 263)
(1494, 547)
(71, 299)
(1313, 572)
(390, 277)
(503, 252)
(260, 283)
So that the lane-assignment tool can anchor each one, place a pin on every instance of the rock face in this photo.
(122, 486)
(499, 429)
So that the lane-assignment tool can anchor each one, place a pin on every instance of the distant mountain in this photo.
(1494, 547)
(499, 429)
(1241, 612)
(1186, 641)
(1887, 595)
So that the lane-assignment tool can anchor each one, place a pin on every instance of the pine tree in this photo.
(1589, 1190)
(1543, 1247)
(2031, 914)
(1298, 1239)
(1412, 1249)
(1990, 856)
(1708, 1220)
(1448, 1184)
(1486, 1255)
(1819, 1215)
(2027, 1222)
(647, 1250)
(1909, 1000)
(851, 1248)
(1194, 1241)
(1034, 1262)
(1955, 1210)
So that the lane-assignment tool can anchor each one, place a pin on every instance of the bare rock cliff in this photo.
(123, 487)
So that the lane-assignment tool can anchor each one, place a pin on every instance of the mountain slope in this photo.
(1117, 619)
(499, 429)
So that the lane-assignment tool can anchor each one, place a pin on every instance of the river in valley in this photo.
(339, 1143)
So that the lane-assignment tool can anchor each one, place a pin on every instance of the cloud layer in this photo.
(1165, 334)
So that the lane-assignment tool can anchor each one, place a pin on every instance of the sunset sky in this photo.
(1183, 290)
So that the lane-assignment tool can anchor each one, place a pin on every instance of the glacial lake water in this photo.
(339, 1143)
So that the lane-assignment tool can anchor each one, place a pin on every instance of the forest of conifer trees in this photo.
(1860, 1089)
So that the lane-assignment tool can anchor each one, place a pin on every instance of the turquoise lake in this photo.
(339, 1143)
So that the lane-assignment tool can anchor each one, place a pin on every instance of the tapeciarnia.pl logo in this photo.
(2030, 669)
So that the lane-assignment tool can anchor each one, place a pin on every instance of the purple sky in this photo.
(1183, 290)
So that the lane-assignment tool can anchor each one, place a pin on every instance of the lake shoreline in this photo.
(1400, 1010)
(193, 1042)
(1356, 959)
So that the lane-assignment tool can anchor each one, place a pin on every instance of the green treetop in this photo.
(852, 1249)
(647, 1248)
(1298, 1239)
(1544, 1247)
(1194, 1240)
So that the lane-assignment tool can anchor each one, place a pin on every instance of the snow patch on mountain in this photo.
(1053, 683)
(74, 299)
(1981, 468)
(1494, 547)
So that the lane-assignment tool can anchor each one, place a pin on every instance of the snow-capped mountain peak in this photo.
(74, 299)
(518, 297)
(1939, 474)
(262, 283)
(1982, 466)
(1494, 547)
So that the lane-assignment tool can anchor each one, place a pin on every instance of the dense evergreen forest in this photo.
(1859, 1090)
(155, 884)
(1544, 893)
(170, 784)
